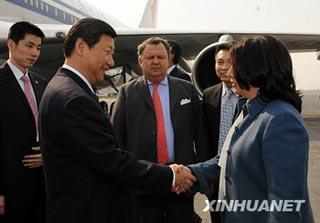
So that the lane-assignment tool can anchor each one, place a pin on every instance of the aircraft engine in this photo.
(203, 69)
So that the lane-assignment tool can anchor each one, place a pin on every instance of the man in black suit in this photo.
(213, 98)
(87, 174)
(175, 55)
(22, 195)
(143, 129)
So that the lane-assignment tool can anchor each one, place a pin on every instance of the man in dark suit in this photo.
(175, 55)
(147, 129)
(213, 99)
(87, 174)
(22, 195)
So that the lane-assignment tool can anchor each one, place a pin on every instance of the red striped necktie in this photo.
(162, 149)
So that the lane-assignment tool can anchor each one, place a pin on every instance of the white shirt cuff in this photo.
(174, 176)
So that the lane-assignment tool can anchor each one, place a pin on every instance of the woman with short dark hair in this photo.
(264, 161)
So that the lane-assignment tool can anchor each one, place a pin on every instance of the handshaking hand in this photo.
(2, 205)
(184, 178)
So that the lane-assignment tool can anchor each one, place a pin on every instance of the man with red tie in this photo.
(22, 192)
(159, 118)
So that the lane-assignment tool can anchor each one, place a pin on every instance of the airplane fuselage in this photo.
(50, 11)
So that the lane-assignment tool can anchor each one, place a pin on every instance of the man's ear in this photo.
(11, 44)
(140, 60)
(80, 46)
(171, 56)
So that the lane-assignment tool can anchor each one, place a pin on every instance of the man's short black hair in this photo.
(176, 50)
(90, 30)
(224, 46)
(19, 30)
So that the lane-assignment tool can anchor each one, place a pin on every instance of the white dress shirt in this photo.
(68, 67)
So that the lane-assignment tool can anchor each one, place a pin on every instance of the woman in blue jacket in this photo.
(264, 162)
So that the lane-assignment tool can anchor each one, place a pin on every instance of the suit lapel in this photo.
(216, 97)
(36, 88)
(79, 81)
(173, 93)
(13, 83)
(216, 102)
(213, 101)
(174, 70)
(144, 91)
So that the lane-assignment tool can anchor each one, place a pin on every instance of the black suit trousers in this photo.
(165, 209)
(34, 214)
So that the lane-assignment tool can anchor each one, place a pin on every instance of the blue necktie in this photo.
(225, 119)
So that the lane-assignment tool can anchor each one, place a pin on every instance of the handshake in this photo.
(184, 179)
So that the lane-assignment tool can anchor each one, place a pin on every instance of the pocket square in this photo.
(184, 101)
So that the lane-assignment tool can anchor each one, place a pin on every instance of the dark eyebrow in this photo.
(110, 47)
(33, 44)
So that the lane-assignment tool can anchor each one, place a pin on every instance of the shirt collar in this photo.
(79, 74)
(17, 73)
(224, 90)
(163, 82)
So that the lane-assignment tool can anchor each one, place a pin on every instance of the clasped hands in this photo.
(33, 160)
(184, 179)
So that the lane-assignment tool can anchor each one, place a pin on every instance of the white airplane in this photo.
(51, 11)
(55, 16)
